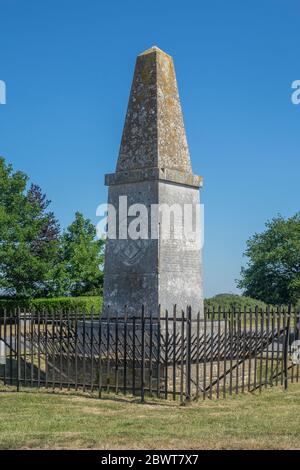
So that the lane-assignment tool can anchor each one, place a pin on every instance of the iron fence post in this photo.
(18, 350)
(286, 348)
(188, 355)
(143, 357)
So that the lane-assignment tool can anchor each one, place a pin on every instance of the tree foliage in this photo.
(35, 259)
(273, 270)
(29, 236)
(82, 257)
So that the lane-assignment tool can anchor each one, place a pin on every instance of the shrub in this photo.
(82, 304)
(229, 301)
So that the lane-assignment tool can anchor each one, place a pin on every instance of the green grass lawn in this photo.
(42, 420)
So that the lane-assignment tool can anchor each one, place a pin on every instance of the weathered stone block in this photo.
(153, 169)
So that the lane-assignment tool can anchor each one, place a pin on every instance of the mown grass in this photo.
(43, 420)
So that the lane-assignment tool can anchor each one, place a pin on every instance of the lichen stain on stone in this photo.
(147, 69)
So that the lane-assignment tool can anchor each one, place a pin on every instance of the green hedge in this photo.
(83, 304)
(87, 304)
(229, 301)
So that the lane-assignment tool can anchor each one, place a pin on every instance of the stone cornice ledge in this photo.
(150, 174)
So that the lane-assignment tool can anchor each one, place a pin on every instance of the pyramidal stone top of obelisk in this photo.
(154, 144)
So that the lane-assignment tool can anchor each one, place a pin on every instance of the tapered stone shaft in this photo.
(153, 169)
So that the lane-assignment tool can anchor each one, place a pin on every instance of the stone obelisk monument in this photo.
(153, 168)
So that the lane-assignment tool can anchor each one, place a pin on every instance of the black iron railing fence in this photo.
(180, 355)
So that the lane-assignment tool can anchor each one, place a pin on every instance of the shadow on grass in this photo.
(126, 399)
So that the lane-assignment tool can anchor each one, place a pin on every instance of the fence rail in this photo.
(178, 355)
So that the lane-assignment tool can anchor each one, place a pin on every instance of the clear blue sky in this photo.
(68, 66)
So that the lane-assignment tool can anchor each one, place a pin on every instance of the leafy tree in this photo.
(29, 236)
(273, 270)
(82, 257)
(35, 260)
